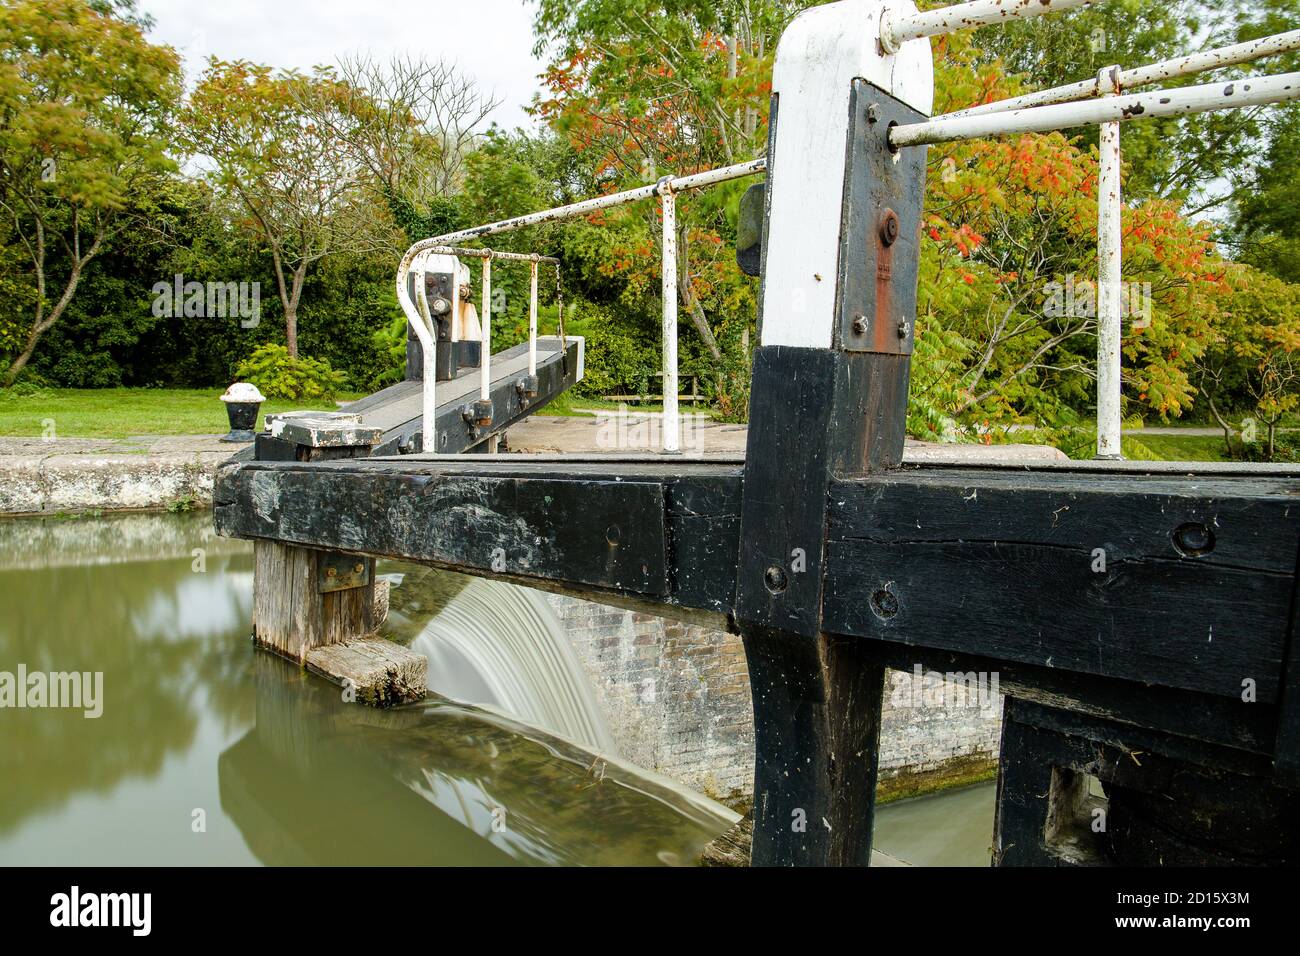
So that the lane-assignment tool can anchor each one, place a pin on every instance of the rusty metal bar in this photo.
(668, 269)
(896, 30)
(532, 317)
(1110, 312)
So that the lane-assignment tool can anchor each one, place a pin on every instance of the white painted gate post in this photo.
(671, 419)
(1110, 306)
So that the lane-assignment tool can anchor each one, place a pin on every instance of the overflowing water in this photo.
(500, 646)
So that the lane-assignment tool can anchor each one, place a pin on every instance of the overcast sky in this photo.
(490, 40)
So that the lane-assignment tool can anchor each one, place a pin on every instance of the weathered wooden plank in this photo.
(377, 671)
(813, 414)
(1253, 523)
(1287, 743)
(731, 847)
(604, 532)
(1225, 721)
(1170, 801)
(397, 408)
(1179, 583)
(322, 429)
(816, 734)
(704, 535)
(292, 615)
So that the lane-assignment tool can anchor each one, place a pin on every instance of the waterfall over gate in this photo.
(501, 646)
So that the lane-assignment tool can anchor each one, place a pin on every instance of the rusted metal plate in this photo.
(880, 241)
(341, 572)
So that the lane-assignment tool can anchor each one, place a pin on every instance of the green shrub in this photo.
(1286, 449)
(390, 349)
(621, 356)
(278, 376)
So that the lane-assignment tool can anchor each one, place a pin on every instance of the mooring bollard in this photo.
(242, 403)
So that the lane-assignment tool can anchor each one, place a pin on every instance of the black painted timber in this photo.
(1005, 565)
(659, 533)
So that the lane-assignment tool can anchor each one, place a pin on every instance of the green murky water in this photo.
(207, 753)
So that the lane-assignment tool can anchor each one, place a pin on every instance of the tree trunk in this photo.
(1228, 430)
(42, 324)
(12, 372)
(291, 332)
(693, 307)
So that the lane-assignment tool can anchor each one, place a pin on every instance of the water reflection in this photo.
(197, 728)
(437, 782)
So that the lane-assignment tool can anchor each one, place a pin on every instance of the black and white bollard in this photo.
(242, 403)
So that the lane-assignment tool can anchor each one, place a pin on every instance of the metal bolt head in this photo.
(889, 227)
(884, 603)
(330, 572)
(860, 324)
(358, 568)
(873, 113)
(1193, 539)
(774, 579)
(903, 329)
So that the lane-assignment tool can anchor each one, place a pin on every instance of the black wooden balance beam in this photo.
(395, 411)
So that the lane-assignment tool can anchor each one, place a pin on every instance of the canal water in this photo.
(204, 752)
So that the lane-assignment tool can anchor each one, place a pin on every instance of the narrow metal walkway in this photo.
(396, 409)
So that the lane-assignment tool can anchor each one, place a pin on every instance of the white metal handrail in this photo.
(1172, 69)
(665, 189)
(894, 32)
(1234, 94)
(1062, 110)
(485, 319)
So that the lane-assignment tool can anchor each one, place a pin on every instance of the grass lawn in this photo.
(124, 412)
(130, 412)
(1184, 447)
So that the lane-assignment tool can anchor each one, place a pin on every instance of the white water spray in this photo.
(501, 646)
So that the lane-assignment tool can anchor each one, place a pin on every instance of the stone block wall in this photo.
(676, 697)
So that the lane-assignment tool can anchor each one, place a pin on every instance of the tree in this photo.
(1253, 360)
(275, 147)
(1008, 261)
(410, 123)
(85, 103)
(645, 88)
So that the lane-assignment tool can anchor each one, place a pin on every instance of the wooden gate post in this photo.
(840, 257)
(320, 608)
(304, 598)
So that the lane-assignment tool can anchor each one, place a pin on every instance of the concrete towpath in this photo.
(149, 473)
(74, 475)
